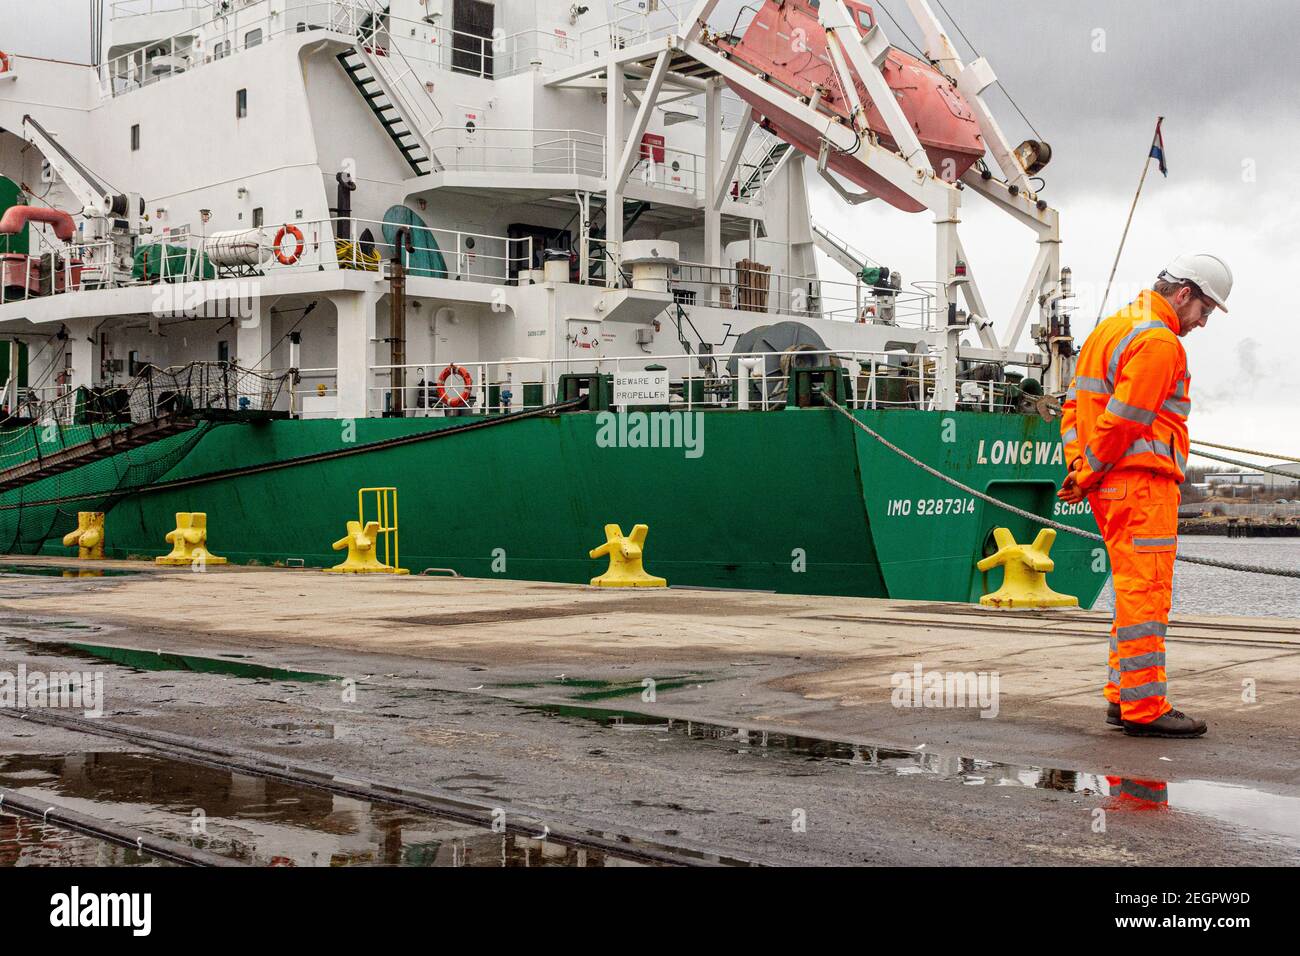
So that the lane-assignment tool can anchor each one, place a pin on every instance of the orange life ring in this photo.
(463, 397)
(289, 230)
(4, 62)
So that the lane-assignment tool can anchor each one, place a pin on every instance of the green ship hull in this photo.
(792, 501)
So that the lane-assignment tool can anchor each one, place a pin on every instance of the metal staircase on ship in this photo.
(95, 449)
(765, 169)
(390, 87)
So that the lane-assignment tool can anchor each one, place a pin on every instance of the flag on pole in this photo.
(1158, 148)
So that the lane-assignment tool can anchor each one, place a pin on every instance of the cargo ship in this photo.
(535, 269)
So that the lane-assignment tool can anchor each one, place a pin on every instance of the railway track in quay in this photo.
(505, 820)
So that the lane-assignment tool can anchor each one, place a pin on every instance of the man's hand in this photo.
(1070, 491)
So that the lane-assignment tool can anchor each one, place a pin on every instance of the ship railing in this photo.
(494, 57)
(568, 151)
(439, 253)
(197, 388)
(313, 392)
(755, 290)
(234, 31)
(876, 379)
(184, 257)
(125, 9)
(227, 33)
(35, 424)
(683, 171)
(600, 267)
(44, 405)
(633, 22)
(153, 62)
(520, 150)
(444, 48)
(53, 267)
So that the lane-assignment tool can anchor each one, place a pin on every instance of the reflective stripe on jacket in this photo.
(1128, 404)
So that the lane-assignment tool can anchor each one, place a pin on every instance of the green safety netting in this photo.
(45, 510)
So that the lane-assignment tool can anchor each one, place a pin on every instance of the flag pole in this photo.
(1133, 208)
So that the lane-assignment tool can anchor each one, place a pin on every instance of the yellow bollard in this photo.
(89, 536)
(1024, 573)
(625, 557)
(360, 544)
(189, 541)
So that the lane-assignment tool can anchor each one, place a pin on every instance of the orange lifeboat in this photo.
(786, 45)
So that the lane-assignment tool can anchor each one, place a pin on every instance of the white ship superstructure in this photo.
(368, 193)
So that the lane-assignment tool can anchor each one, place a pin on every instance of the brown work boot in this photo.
(1172, 724)
(1112, 715)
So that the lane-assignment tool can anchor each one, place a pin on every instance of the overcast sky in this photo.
(1092, 75)
(1225, 77)
(59, 29)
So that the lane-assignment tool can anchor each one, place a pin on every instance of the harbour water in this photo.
(1202, 590)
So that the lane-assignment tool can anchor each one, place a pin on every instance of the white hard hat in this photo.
(1209, 272)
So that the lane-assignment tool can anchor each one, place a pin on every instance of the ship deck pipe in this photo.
(17, 218)
(745, 367)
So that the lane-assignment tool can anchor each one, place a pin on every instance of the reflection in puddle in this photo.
(1272, 814)
(260, 821)
(139, 660)
(62, 571)
(592, 690)
(28, 842)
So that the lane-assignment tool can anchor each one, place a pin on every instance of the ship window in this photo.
(864, 18)
(223, 351)
(252, 38)
(135, 138)
(241, 104)
(259, 217)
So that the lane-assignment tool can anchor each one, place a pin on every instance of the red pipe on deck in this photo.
(17, 217)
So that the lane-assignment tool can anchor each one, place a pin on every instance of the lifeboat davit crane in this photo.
(823, 76)
(787, 46)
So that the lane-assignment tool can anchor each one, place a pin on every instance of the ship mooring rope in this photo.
(1245, 464)
(314, 458)
(1244, 451)
(1090, 535)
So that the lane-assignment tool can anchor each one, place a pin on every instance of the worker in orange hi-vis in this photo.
(1125, 433)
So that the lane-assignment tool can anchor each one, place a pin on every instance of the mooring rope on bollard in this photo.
(1090, 535)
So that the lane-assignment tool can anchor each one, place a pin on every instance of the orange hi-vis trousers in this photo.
(1137, 512)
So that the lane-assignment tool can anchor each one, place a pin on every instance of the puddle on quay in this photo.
(62, 571)
(28, 842)
(140, 660)
(593, 689)
(1264, 813)
(257, 820)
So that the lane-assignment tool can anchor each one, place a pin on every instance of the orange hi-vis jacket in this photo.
(1128, 404)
